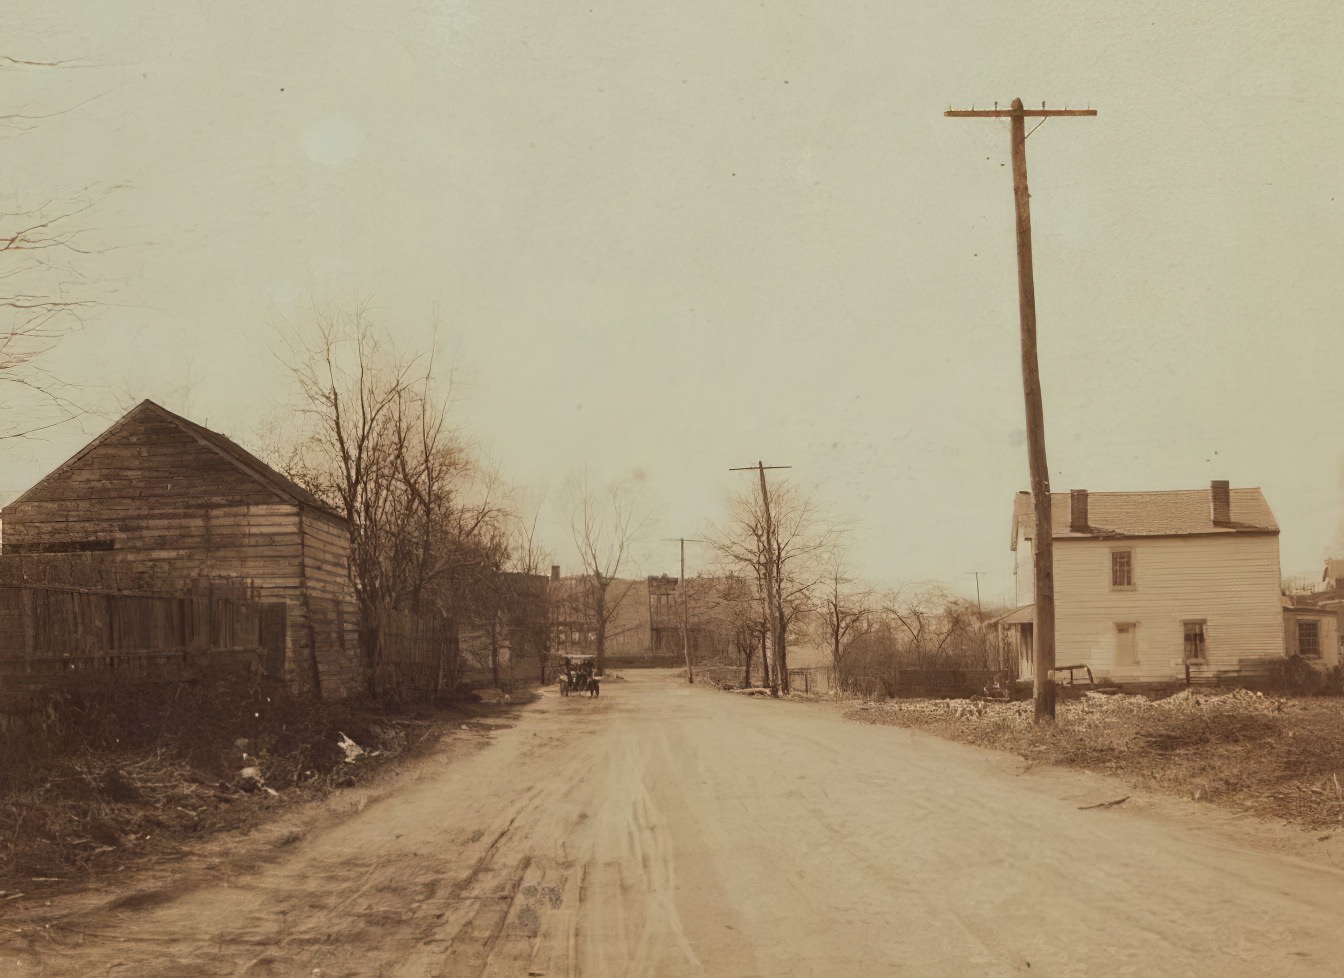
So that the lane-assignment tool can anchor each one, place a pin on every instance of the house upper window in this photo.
(1195, 648)
(1309, 639)
(1122, 568)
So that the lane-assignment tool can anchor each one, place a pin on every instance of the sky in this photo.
(658, 241)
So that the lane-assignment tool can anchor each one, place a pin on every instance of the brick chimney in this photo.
(555, 572)
(1221, 493)
(1078, 511)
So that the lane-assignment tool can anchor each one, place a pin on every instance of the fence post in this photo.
(26, 597)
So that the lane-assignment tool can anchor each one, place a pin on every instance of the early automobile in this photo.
(575, 672)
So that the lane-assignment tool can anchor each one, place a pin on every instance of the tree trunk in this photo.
(835, 657)
(494, 653)
(601, 608)
(765, 658)
(781, 650)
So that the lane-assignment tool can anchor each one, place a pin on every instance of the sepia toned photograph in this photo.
(707, 490)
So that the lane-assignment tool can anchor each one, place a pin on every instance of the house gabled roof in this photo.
(1180, 512)
(1334, 570)
(240, 457)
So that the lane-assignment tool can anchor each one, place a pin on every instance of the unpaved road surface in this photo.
(664, 831)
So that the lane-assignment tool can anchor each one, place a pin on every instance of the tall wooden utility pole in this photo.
(685, 603)
(1043, 544)
(771, 596)
(685, 638)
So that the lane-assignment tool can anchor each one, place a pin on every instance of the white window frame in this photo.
(1315, 624)
(1203, 624)
(1133, 570)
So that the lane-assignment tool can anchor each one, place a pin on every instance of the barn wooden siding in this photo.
(1231, 581)
(324, 616)
(54, 639)
(173, 503)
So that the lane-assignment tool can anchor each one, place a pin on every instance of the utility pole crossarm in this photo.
(1009, 113)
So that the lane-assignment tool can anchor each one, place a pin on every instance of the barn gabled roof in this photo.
(1180, 512)
(240, 457)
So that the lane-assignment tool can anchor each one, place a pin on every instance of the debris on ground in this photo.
(1269, 755)
(349, 748)
(134, 779)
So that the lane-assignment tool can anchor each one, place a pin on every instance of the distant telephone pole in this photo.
(1043, 544)
(685, 603)
(979, 610)
(771, 597)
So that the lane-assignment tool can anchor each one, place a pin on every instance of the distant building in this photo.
(172, 503)
(646, 624)
(1155, 586)
(1332, 578)
(573, 624)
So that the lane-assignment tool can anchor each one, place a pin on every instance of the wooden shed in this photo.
(177, 503)
(1311, 630)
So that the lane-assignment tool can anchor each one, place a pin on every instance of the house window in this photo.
(1122, 568)
(1126, 644)
(1309, 639)
(1195, 649)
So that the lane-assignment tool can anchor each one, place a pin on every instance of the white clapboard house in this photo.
(1155, 586)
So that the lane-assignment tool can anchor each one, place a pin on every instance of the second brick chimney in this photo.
(1078, 511)
(1221, 492)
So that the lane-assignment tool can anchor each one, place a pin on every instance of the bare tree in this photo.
(784, 547)
(736, 610)
(930, 634)
(846, 611)
(46, 291)
(427, 533)
(921, 628)
(605, 524)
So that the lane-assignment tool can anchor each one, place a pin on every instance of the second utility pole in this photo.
(685, 638)
(771, 571)
(1043, 620)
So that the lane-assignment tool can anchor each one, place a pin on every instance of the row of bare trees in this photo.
(924, 628)
(788, 581)
(433, 533)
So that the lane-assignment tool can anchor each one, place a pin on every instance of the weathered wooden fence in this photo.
(417, 657)
(941, 683)
(54, 639)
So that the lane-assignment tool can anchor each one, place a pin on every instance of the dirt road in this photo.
(666, 831)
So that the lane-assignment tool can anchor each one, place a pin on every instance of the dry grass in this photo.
(1274, 757)
(151, 772)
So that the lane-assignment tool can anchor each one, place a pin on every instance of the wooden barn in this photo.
(175, 503)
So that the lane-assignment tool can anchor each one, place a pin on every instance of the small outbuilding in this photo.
(174, 503)
(1311, 631)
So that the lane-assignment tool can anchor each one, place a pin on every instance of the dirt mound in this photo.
(1269, 755)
